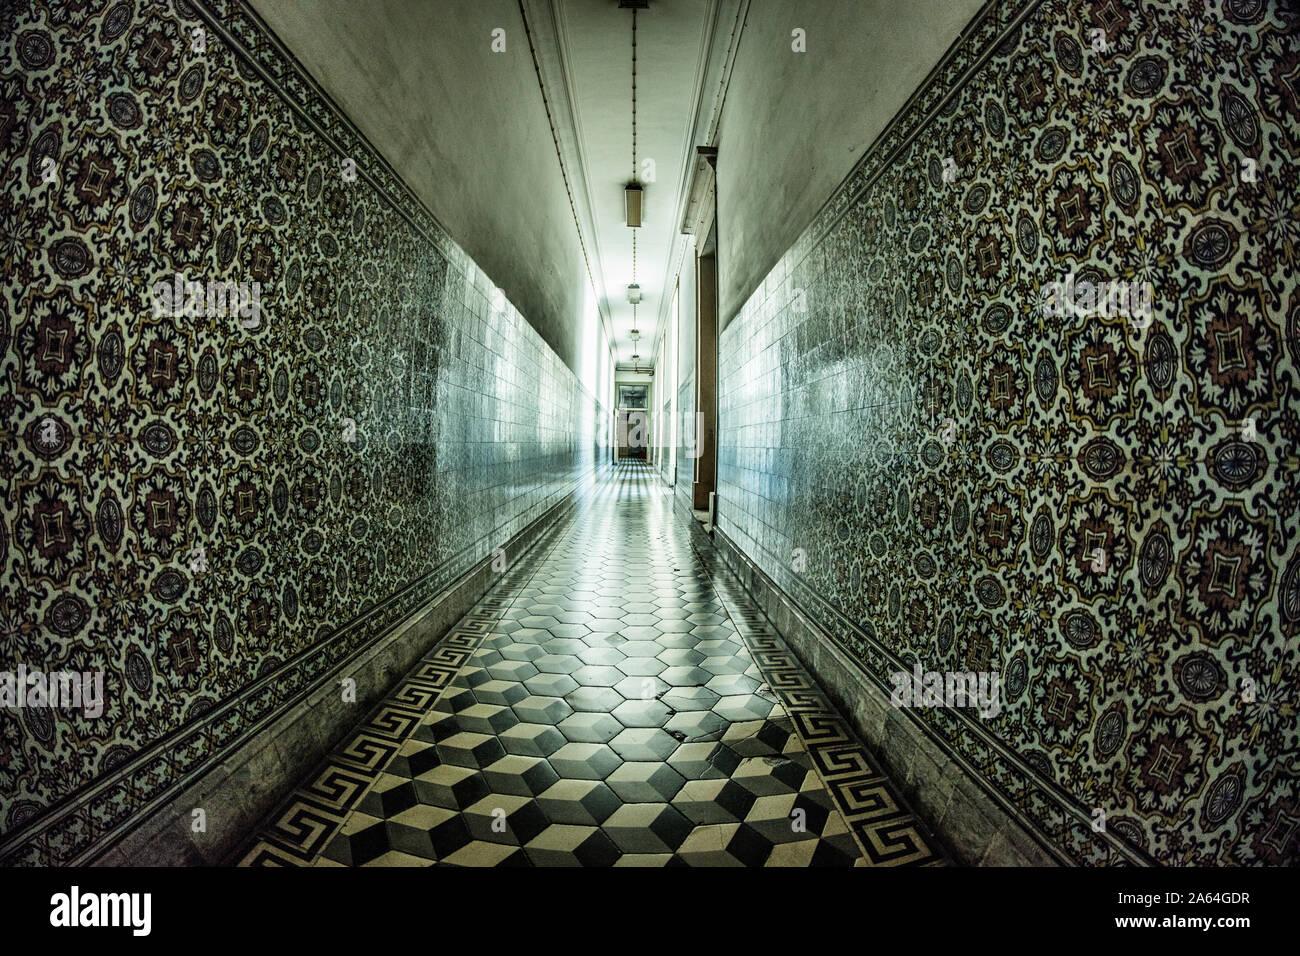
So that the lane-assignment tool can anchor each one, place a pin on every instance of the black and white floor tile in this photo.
(616, 700)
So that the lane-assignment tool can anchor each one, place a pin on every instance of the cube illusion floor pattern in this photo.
(616, 700)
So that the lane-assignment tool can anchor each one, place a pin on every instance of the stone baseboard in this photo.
(238, 793)
(973, 825)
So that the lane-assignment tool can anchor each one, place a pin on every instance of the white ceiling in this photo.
(467, 129)
(523, 154)
(595, 45)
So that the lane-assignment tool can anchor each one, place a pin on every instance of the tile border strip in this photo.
(307, 820)
(89, 822)
(864, 793)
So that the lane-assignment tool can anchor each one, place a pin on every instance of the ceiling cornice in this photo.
(543, 21)
(726, 21)
(546, 23)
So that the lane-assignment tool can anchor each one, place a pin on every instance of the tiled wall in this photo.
(1147, 142)
(388, 423)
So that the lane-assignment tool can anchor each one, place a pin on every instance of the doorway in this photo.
(633, 421)
(706, 372)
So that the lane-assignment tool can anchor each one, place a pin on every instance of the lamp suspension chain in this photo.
(633, 143)
(634, 167)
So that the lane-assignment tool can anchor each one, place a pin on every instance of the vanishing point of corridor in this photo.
(650, 433)
(614, 700)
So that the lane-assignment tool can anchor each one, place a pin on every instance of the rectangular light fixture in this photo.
(634, 293)
(632, 200)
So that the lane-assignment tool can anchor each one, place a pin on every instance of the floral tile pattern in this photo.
(216, 513)
(947, 459)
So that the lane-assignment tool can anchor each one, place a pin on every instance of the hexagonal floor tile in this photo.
(641, 688)
(522, 652)
(486, 718)
(686, 676)
(689, 697)
(641, 666)
(532, 635)
(413, 758)
(677, 612)
(473, 750)
(697, 725)
(519, 775)
(558, 664)
(680, 656)
(645, 782)
(484, 853)
(543, 621)
(607, 656)
(604, 639)
(450, 786)
(502, 692)
(550, 685)
(758, 738)
(699, 617)
(729, 685)
(724, 665)
(741, 707)
(634, 620)
(714, 801)
(642, 743)
(542, 710)
(505, 818)
(590, 728)
(455, 698)
(575, 616)
(676, 640)
(788, 817)
(640, 633)
(610, 712)
(709, 846)
(764, 776)
(567, 845)
(512, 670)
(641, 713)
(486, 657)
(565, 645)
(570, 630)
(597, 675)
(691, 760)
(532, 740)
(638, 647)
(442, 831)
(585, 761)
(599, 700)
(647, 828)
(578, 801)
(675, 625)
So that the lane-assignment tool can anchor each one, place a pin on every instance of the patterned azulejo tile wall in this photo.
(386, 422)
(1159, 683)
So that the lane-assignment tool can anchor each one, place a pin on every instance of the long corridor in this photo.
(615, 699)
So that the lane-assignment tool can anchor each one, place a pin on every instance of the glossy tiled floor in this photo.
(614, 701)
